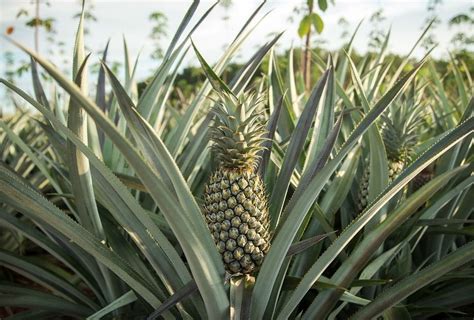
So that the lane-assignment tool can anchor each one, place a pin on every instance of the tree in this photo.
(310, 21)
(344, 26)
(377, 35)
(158, 32)
(462, 40)
(430, 39)
(35, 21)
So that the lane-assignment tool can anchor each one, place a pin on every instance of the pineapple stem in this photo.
(240, 293)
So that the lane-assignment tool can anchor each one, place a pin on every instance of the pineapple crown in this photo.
(401, 128)
(238, 131)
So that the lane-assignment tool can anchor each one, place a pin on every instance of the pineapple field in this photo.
(258, 192)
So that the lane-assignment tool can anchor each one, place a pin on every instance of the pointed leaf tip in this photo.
(213, 78)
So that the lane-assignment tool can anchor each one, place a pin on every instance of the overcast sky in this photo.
(130, 18)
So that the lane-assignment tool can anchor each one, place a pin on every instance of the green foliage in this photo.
(434, 20)
(463, 40)
(47, 24)
(377, 34)
(158, 32)
(312, 20)
(100, 199)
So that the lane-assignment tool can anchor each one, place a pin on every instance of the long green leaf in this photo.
(158, 157)
(196, 242)
(40, 239)
(443, 145)
(378, 167)
(177, 141)
(416, 281)
(121, 301)
(294, 149)
(19, 195)
(300, 204)
(324, 120)
(345, 274)
(15, 296)
(124, 208)
(55, 283)
(79, 169)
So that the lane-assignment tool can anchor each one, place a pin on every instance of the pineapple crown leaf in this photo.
(238, 130)
(213, 78)
(401, 126)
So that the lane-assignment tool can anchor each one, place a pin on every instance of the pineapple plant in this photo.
(400, 133)
(156, 258)
(236, 209)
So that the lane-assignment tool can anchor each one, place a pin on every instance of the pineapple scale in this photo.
(235, 209)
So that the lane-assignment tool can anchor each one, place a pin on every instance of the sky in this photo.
(129, 19)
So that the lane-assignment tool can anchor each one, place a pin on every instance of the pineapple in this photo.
(400, 130)
(235, 201)
(363, 195)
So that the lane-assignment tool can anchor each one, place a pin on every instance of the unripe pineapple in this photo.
(400, 129)
(235, 199)
(363, 195)
(394, 169)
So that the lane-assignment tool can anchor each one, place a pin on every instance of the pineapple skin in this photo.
(363, 195)
(394, 169)
(236, 212)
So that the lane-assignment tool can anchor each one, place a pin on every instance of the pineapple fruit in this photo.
(400, 130)
(235, 200)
